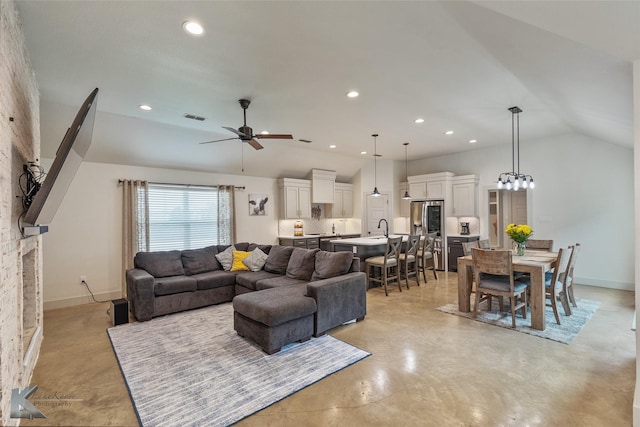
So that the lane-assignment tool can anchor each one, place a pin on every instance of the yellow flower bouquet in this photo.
(519, 233)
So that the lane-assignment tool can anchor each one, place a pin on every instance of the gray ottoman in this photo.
(274, 317)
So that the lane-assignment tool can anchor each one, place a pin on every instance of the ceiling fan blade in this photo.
(255, 144)
(275, 136)
(236, 132)
(219, 140)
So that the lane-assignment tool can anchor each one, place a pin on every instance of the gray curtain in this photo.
(226, 215)
(135, 223)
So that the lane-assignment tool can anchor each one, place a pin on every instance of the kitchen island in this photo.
(363, 247)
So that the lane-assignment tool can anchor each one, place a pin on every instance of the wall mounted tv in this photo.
(71, 152)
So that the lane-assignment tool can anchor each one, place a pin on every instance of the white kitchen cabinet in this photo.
(418, 190)
(431, 186)
(465, 195)
(295, 198)
(343, 202)
(323, 184)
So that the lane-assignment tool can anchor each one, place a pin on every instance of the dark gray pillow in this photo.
(263, 248)
(242, 246)
(302, 263)
(197, 261)
(278, 259)
(160, 263)
(331, 264)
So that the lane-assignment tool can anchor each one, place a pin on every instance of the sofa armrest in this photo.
(339, 300)
(140, 293)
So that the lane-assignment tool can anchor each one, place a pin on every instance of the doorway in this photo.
(505, 207)
(377, 209)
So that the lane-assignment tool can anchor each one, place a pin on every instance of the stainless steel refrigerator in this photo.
(427, 216)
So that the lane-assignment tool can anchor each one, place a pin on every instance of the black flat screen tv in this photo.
(71, 152)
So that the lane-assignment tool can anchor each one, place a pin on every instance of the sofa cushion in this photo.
(275, 306)
(331, 264)
(242, 246)
(160, 263)
(278, 259)
(197, 261)
(302, 263)
(226, 257)
(263, 248)
(249, 279)
(256, 259)
(238, 258)
(278, 282)
(214, 279)
(174, 285)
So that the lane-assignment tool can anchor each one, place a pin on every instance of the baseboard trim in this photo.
(624, 286)
(84, 299)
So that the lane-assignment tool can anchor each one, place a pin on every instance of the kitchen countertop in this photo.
(311, 236)
(365, 241)
(463, 235)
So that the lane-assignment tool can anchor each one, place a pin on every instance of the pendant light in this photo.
(514, 180)
(375, 192)
(406, 172)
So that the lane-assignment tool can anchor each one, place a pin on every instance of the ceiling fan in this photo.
(245, 133)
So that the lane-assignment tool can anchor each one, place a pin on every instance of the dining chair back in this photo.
(540, 245)
(467, 246)
(484, 244)
(425, 258)
(493, 273)
(554, 283)
(387, 264)
(567, 290)
(408, 259)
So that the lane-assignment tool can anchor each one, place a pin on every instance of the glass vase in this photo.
(520, 248)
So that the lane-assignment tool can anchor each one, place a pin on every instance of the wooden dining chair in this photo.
(540, 245)
(467, 246)
(387, 263)
(425, 256)
(408, 259)
(567, 296)
(493, 273)
(554, 283)
(484, 244)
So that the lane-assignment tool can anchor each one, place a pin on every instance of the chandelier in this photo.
(514, 180)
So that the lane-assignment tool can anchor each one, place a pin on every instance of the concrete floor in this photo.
(427, 368)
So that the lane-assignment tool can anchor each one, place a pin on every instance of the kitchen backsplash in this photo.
(320, 226)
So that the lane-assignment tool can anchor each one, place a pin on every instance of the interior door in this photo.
(377, 209)
(512, 210)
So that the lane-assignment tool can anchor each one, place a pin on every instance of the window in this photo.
(188, 217)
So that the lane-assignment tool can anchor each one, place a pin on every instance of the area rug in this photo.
(192, 369)
(565, 333)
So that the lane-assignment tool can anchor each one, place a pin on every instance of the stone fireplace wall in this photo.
(20, 258)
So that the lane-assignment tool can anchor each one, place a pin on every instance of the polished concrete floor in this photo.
(427, 368)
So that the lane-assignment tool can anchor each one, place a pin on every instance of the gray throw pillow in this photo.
(278, 259)
(256, 259)
(331, 264)
(226, 258)
(197, 261)
(160, 263)
(302, 263)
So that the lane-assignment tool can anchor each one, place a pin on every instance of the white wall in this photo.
(85, 236)
(585, 188)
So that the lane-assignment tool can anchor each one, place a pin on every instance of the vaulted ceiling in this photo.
(458, 65)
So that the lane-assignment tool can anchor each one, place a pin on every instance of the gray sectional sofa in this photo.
(280, 294)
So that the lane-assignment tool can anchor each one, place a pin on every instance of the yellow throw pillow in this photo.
(238, 257)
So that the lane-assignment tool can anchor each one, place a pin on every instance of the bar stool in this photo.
(388, 263)
(425, 256)
(408, 259)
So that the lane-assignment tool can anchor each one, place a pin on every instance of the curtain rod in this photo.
(120, 181)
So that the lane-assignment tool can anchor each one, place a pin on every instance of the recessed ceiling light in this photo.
(363, 152)
(332, 146)
(265, 132)
(145, 107)
(449, 132)
(353, 94)
(193, 28)
(473, 141)
(419, 120)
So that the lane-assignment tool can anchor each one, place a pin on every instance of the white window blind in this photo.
(185, 217)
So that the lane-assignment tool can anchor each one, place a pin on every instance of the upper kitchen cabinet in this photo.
(431, 186)
(323, 186)
(295, 196)
(465, 195)
(343, 202)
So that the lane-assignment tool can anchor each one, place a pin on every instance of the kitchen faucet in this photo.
(386, 233)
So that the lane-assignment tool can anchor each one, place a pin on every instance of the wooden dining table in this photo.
(536, 263)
